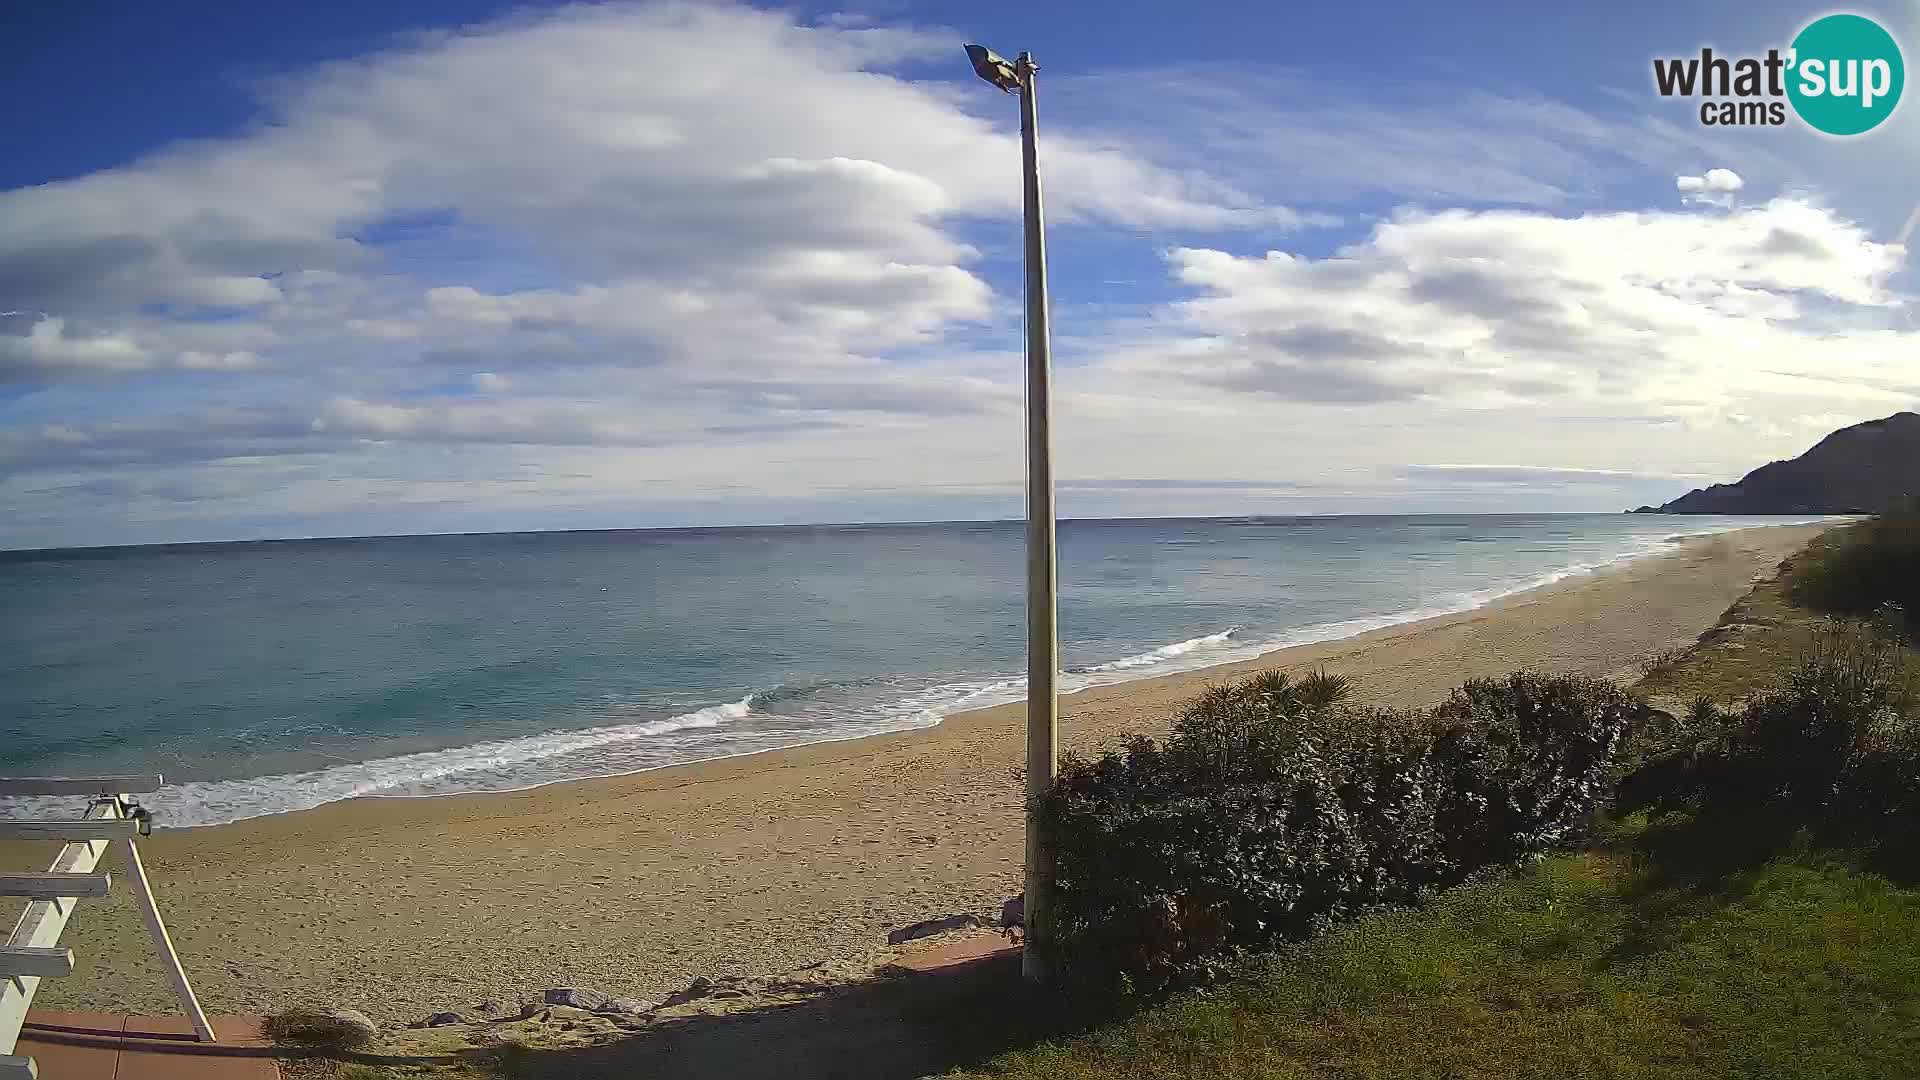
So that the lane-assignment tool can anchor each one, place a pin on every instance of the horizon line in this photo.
(10, 551)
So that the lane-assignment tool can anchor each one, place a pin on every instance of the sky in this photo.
(367, 268)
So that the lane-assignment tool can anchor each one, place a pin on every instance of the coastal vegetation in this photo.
(1870, 570)
(1274, 811)
(1749, 905)
(1708, 873)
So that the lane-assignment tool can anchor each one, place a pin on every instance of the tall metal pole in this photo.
(1043, 644)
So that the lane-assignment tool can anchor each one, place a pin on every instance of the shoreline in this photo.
(224, 802)
(767, 861)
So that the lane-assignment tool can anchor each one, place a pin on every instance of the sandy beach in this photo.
(753, 865)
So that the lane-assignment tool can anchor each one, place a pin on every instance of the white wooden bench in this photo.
(32, 952)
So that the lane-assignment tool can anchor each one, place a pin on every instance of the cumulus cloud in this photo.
(48, 349)
(230, 291)
(594, 130)
(638, 224)
(1715, 180)
(1666, 313)
(1716, 188)
(707, 252)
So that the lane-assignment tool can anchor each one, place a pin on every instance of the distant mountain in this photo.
(1866, 468)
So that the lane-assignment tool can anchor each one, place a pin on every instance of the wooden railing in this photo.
(32, 952)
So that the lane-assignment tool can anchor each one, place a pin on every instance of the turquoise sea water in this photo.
(266, 677)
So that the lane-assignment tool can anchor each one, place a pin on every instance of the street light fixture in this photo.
(1043, 640)
(994, 68)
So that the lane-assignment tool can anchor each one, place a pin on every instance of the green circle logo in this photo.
(1846, 74)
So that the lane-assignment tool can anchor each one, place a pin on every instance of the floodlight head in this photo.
(993, 68)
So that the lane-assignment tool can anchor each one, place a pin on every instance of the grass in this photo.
(1674, 948)
(321, 1069)
(1865, 568)
(1764, 633)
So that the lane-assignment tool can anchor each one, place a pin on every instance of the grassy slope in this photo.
(1761, 634)
(1673, 947)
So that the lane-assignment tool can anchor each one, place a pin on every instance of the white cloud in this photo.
(226, 292)
(237, 360)
(1587, 352)
(596, 130)
(1667, 313)
(1293, 135)
(1715, 180)
(695, 252)
(1716, 188)
(47, 349)
(1533, 476)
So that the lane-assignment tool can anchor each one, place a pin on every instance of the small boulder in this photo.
(623, 1007)
(488, 1007)
(1014, 912)
(529, 1010)
(442, 1019)
(931, 927)
(574, 997)
(700, 987)
(331, 1027)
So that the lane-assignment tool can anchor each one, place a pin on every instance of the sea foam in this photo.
(767, 719)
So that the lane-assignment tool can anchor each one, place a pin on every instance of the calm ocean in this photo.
(267, 677)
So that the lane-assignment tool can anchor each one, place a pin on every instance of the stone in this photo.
(1014, 912)
(359, 1024)
(624, 1007)
(931, 927)
(442, 1019)
(529, 1010)
(488, 1007)
(575, 998)
(322, 1027)
(700, 987)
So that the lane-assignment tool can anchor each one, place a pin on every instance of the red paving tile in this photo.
(103, 1046)
(78, 1023)
(64, 1061)
(230, 1030)
(965, 954)
(139, 1066)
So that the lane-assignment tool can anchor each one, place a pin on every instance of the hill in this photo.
(1866, 468)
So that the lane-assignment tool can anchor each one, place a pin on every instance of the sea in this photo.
(268, 677)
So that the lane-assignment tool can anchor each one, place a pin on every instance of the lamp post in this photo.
(1043, 640)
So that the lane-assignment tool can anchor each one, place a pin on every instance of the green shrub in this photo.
(1838, 741)
(315, 1027)
(1872, 569)
(1275, 809)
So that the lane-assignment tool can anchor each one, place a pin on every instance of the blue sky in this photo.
(392, 268)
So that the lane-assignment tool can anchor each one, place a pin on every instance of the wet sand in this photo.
(752, 865)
